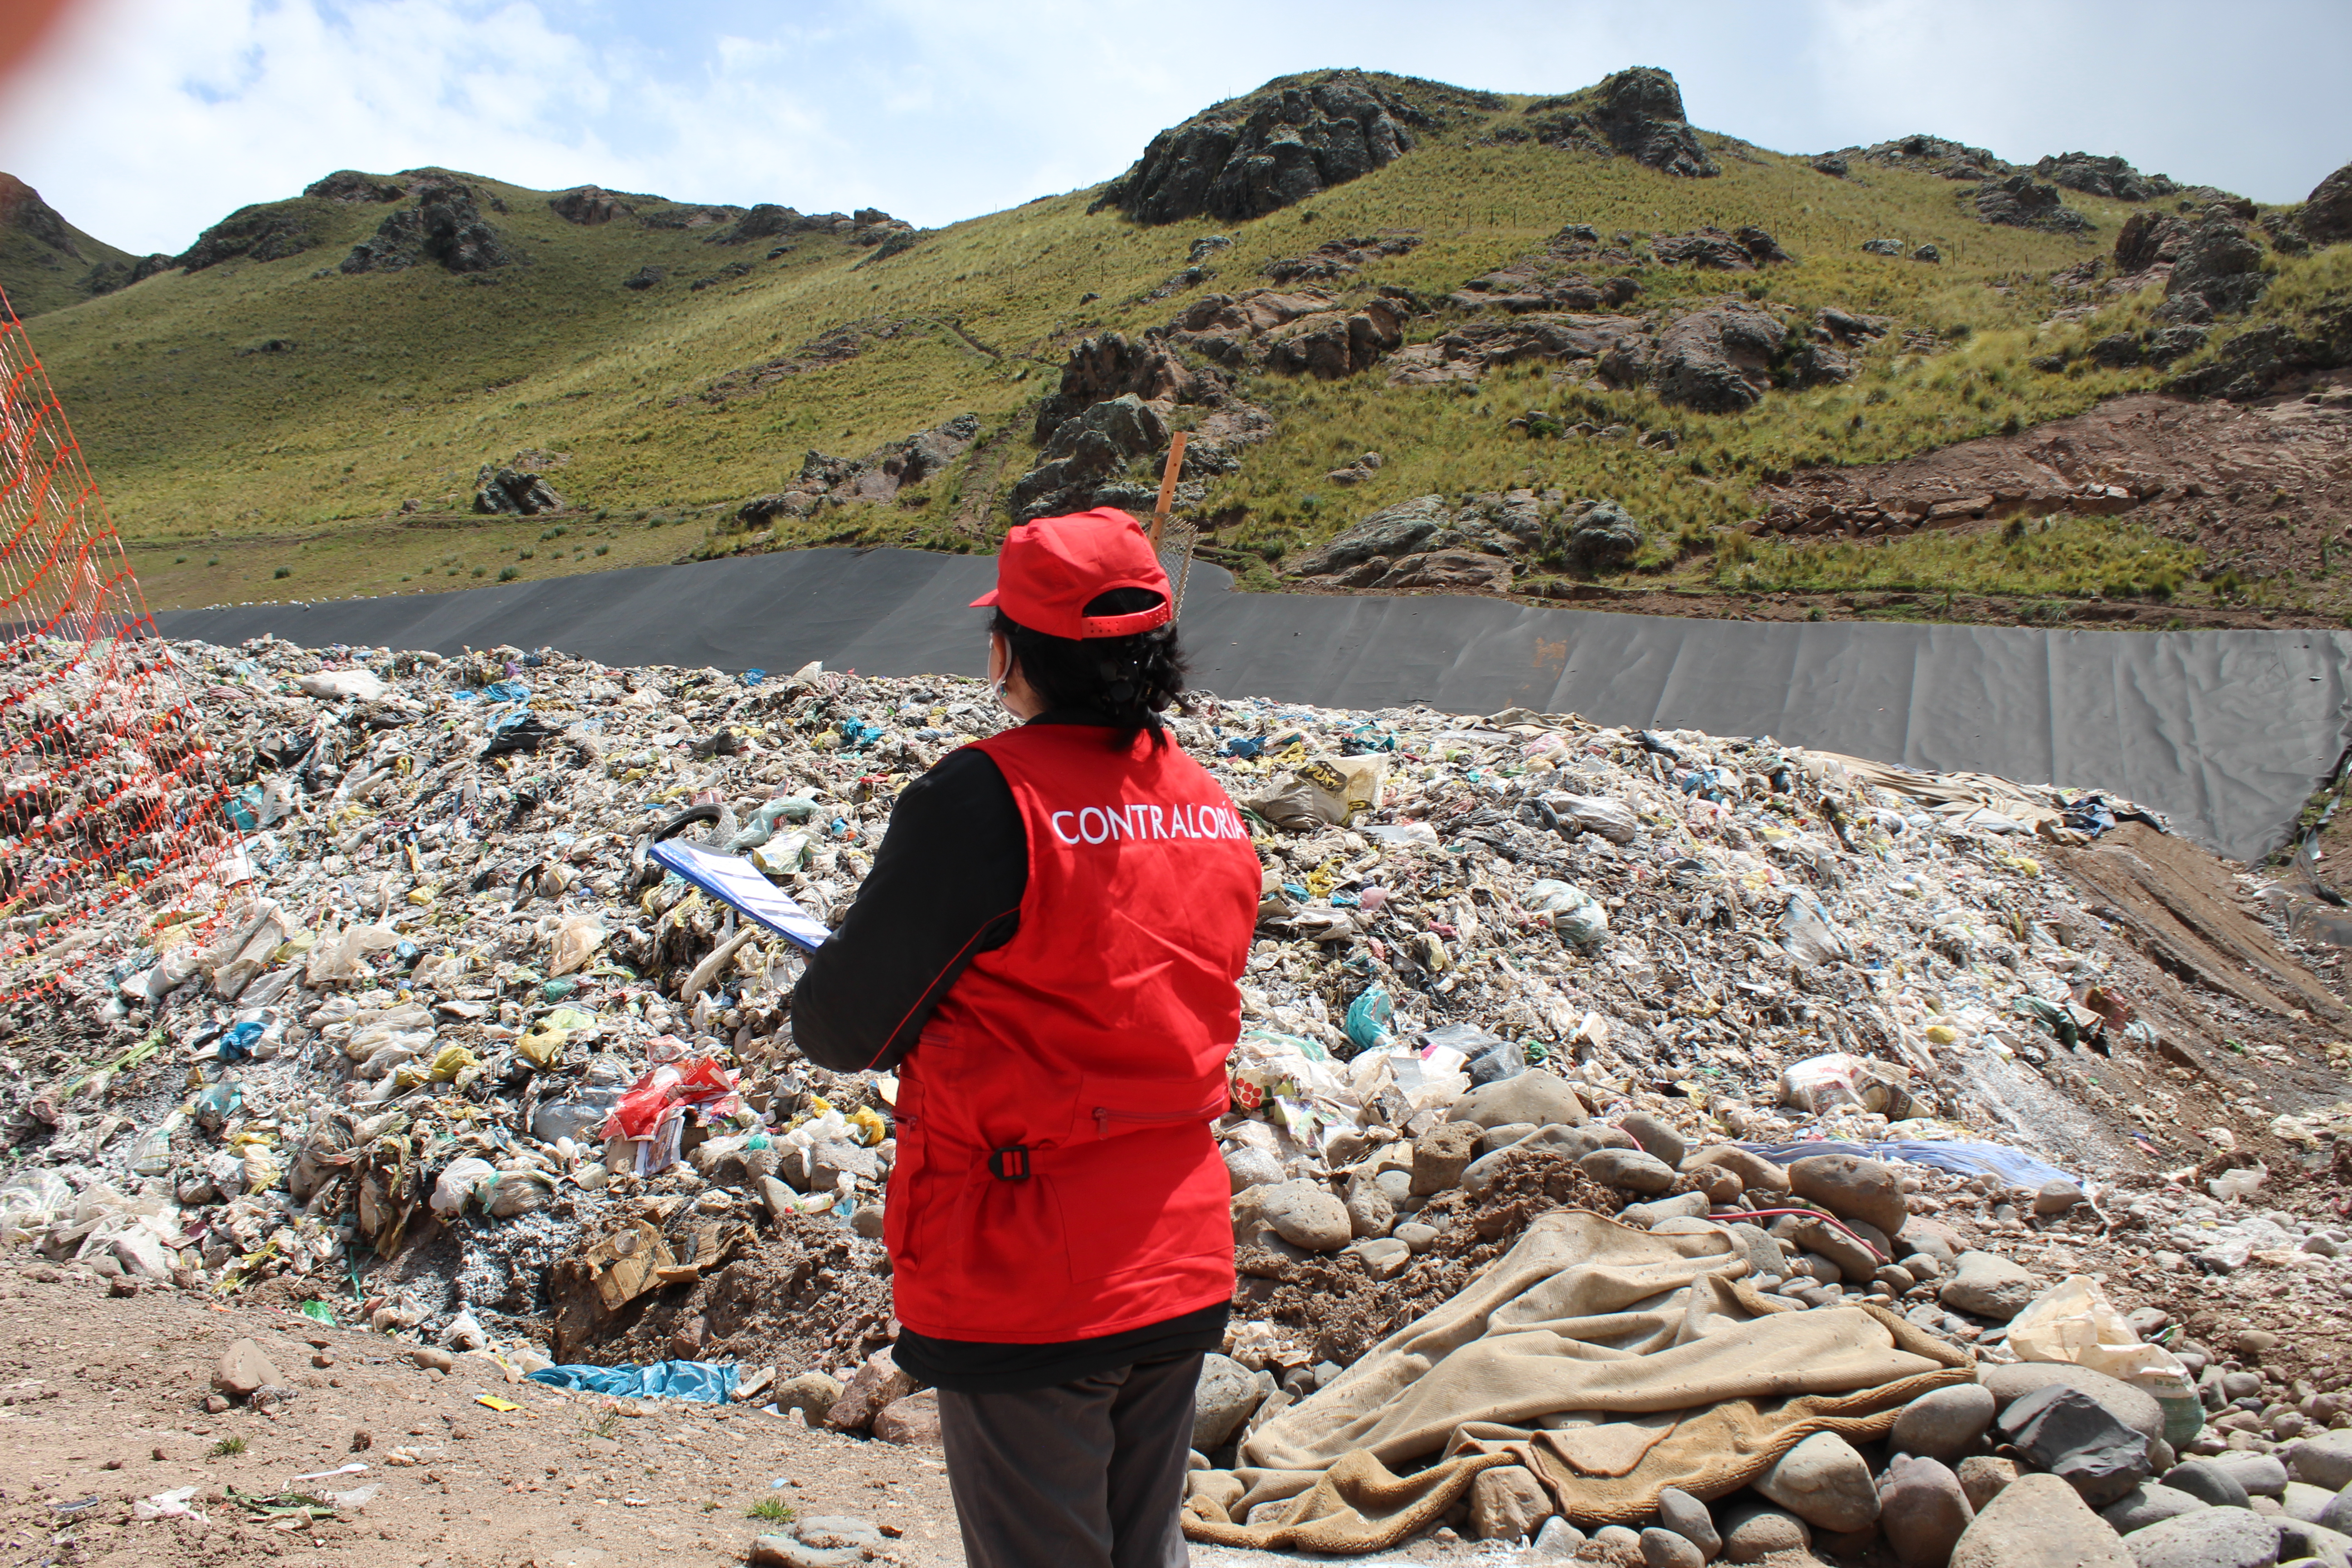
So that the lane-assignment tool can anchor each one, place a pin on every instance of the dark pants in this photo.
(1084, 1475)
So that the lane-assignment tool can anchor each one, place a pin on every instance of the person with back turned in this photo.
(1046, 952)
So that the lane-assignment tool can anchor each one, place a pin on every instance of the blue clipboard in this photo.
(733, 880)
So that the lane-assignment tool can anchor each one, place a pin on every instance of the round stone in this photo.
(1944, 1425)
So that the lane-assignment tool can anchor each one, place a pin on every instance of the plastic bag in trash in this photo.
(1265, 1064)
(31, 1201)
(178, 1504)
(343, 957)
(360, 684)
(2075, 1321)
(573, 942)
(1808, 935)
(510, 1192)
(1308, 803)
(1367, 1017)
(699, 1081)
(1822, 1083)
(579, 1116)
(1400, 834)
(216, 1103)
(1577, 915)
(1611, 819)
(455, 1187)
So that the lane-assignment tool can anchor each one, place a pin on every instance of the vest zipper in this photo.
(1104, 1116)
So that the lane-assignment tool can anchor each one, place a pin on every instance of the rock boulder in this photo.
(2037, 1521)
(1989, 1285)
(2208, 1538)
(1825, 1483)
(1508, 1504)
(1923, 1512)
(1543, 1099)
(1851, 1187)
(1258, 154)
(2327, 216)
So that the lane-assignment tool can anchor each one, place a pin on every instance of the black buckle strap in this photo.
(1010, 1163)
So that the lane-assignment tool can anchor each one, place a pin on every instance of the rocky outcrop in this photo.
(1429, 543)
(350, 186)
(1283, 144)
(879, 477)
(2151, 238)
(1636, 112)
(1935, 155)
(2327, 215)
(2257, 359)
(513, 492)
(1469, 350)
(2022, 202)
(265, 233)
(446, 225)
(1719, 360)
(589, 206)
(1088, 454)
(1711, 249)
(1597, 535)
(1426, 543)
(2109, 177)
(22, 211)
(1337, 259)
(868, 226)
(1501, 290)
(1555, 277)
(2217, 271)
(1334, 343)
(1100, 369)
(106, 277)
(688, 215)
(1225, 327)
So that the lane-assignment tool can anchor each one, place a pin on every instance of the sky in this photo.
(145, 120)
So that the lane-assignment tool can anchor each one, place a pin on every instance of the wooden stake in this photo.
(1167, 487)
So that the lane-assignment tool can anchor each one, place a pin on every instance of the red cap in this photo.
(1050, 570)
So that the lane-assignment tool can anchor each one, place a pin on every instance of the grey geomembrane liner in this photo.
(2226, 733)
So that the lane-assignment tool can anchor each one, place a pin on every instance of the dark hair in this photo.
(1129, 681)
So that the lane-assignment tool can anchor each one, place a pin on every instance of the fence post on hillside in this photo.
(1167, 487)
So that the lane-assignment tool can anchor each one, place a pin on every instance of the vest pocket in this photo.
(1141, 1202)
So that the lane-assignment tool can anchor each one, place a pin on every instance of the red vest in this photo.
(1089, 1053)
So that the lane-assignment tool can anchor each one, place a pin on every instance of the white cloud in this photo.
(148, 119)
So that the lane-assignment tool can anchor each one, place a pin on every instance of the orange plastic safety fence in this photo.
(114, 820)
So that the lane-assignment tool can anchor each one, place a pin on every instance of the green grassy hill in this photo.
(282, 429)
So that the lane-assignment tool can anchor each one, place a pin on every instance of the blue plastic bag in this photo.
(1369, 1016)
(702, 1380)
(237, 1045)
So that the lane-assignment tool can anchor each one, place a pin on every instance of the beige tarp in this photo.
(1610, 1362)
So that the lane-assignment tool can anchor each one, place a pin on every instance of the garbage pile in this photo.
(465, 1063)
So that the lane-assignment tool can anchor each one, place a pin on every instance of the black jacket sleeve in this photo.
(946, 887)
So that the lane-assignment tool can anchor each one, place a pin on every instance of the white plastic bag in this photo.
(1807, 934)
(1824, 1083)
(340, 957)
(2075, 1321)
(30, 1202)
(1578, 916)
(455, 1187)
(346, 683)
(573, 944)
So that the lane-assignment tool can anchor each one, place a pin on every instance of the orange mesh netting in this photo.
(112, 813)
